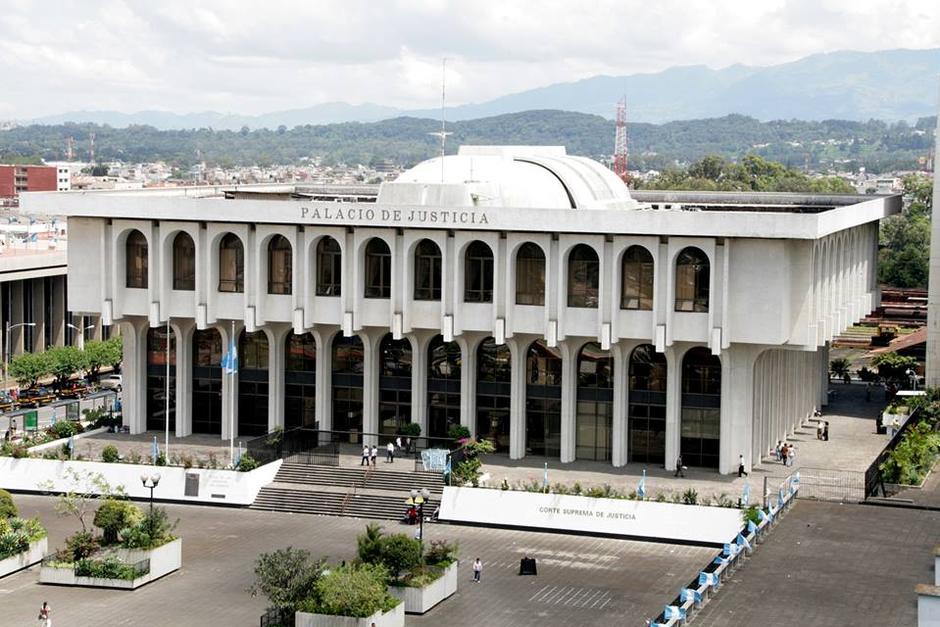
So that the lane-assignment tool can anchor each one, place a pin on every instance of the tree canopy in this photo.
(904, 260)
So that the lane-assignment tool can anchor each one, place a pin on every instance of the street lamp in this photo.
(151, 482)
(6, 347)
(81, 333)
(418, 499)
(912, 378)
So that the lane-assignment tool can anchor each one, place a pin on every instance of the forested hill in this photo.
(844, 144)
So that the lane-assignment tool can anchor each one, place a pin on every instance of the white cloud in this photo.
(249, 57)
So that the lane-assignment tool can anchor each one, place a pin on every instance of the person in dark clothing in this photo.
(741, 471)
(679, 467)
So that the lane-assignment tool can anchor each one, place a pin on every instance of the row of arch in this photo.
(646, 414)
(583, 272)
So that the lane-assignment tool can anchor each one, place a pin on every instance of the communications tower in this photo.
(620, 141)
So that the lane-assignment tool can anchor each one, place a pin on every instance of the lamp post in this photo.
(151, 482)
(418, 499)
(81, 333)
(6, 347)
(912, 378)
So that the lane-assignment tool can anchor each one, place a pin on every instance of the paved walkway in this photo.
(197, 448)
(830, 565)
(581, 580)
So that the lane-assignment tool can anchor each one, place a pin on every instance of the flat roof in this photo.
(693, 214)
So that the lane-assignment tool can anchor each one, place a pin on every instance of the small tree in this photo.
(114, 351)
(64, 361)
(838, 368)
(369, 544)
(893, 367)
(286, 577)
(96, 356)
(114, 515)
(352, 590)
(29, 368)
(400, 554)
(7, 507)
(84, 489)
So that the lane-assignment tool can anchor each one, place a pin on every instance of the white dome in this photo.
(509, 176)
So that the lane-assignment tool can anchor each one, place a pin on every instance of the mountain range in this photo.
(887, 85)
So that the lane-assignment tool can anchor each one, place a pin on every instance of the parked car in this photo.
(36, 396)
(7, 402)
(75, 389)
(111, 382)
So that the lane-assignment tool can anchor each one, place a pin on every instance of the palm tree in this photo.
(839, 368)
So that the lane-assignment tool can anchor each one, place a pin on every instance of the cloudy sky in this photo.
(246, 56)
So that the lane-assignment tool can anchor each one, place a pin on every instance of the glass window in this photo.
(692, 279)
(207, 382)
(280, 265)
(135, 251)
(646, 421)
(530, 275)
(329, 267)
(253, 351)
(157, 383)
(595, 403)
(184, 262)
(395, 360)
(583, 277)
(231, 264)
(427, 271)
(444, 363)
(478, 273)
(636, 281)
(543, 400)
(701, 408)
(300, 378)
(378, 269)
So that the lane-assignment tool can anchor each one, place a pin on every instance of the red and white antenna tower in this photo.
(620, 141)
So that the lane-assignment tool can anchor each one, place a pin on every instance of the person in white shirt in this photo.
(389, 453)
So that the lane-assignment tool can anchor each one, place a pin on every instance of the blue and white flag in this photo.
(746, 494)
(641, 489)
(448, 468)
(708, 579)
(720, 561)
(53, 416)
(751, 527)
(155, 450)
(688, 594)
(742, 542)
(545, 477)
(71, 443)
(764, 516)
(230, 359)
(780, 496)
(728, 550)
(674, 612)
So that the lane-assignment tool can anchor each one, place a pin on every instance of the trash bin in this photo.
(527, 566)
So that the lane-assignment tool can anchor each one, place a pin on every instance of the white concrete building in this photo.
(517, 291)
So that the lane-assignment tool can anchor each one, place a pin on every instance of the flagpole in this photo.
(166, 443)
(231, 405)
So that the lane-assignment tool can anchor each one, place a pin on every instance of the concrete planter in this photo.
(391, 618)
(421, 600)
(33, 555)
(163, 561)
(57, 444)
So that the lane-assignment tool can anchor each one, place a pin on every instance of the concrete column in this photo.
(39, 313)
(323, 336)
(229, 383)
(134, 374)
(277, 336)
(824, 375)
(737, 404)
(517, 415)
(17, 313)
(468, 381)
(184, 330)
(371, 338)
(58, 311)
(621, 355)
(569, 399)
(673, 404)
(419, 377)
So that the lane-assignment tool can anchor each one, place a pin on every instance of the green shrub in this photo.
(458, 432)
(913, 457)
(108, 568)
(7, 507)
(369, 544)
(65, 429)
(247, 463)
(151, 531)
(81, 544)
(400, 553)
(411, 429)
(286, 577)
(17, 533)
(441, 553)
(751, 514)
(161, 459)
(109, 454)
(690, 497)
(16, 450)
(113, 516)
(351, 590)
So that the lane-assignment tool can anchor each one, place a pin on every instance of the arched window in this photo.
(329, 267)
(135, 251)
(595, 403)
(184, 262)
(231, 264)
(692, 278)
(636, 279)
(395, 361)
(701, 408)
(378, 269)
(280, 265)
(478, 274)
(444, 364)
(494, 392)
(427, 271)
(646, 420)
(543, 400)
(584, 273)
(530, 275)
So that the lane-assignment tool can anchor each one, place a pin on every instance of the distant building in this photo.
(15, 179)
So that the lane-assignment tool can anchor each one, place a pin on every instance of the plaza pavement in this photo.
(582, 580)
(830, 565)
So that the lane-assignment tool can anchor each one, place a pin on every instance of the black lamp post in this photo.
(418, 499)
(151, 482)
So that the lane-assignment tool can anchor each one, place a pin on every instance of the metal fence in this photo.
(873, 478)
(825, 484)
(277, 617)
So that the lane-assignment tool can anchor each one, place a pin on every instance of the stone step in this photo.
(353, 477)
(330, 503)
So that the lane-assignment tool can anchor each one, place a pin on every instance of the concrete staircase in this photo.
(355, 492)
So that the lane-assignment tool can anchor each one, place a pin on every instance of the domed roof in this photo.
(509, 176)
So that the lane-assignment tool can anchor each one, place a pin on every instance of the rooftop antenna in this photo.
(443, 132)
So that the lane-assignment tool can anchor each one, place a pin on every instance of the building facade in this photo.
(518, 291)
(16, 179)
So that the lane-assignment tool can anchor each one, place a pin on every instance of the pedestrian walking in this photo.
(784, 451)
(45, 615)
(778, 451)
(791, 455)
(826, 431)
(477, 570)
(398, 442)
(741, 471)
(375, 453)
(679, 467)
(389, 453)
(365, 455)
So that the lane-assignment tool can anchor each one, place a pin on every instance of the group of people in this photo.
(370, 455)
(785, 453)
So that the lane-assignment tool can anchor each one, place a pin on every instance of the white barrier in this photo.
(198, 485)
(565, 512)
